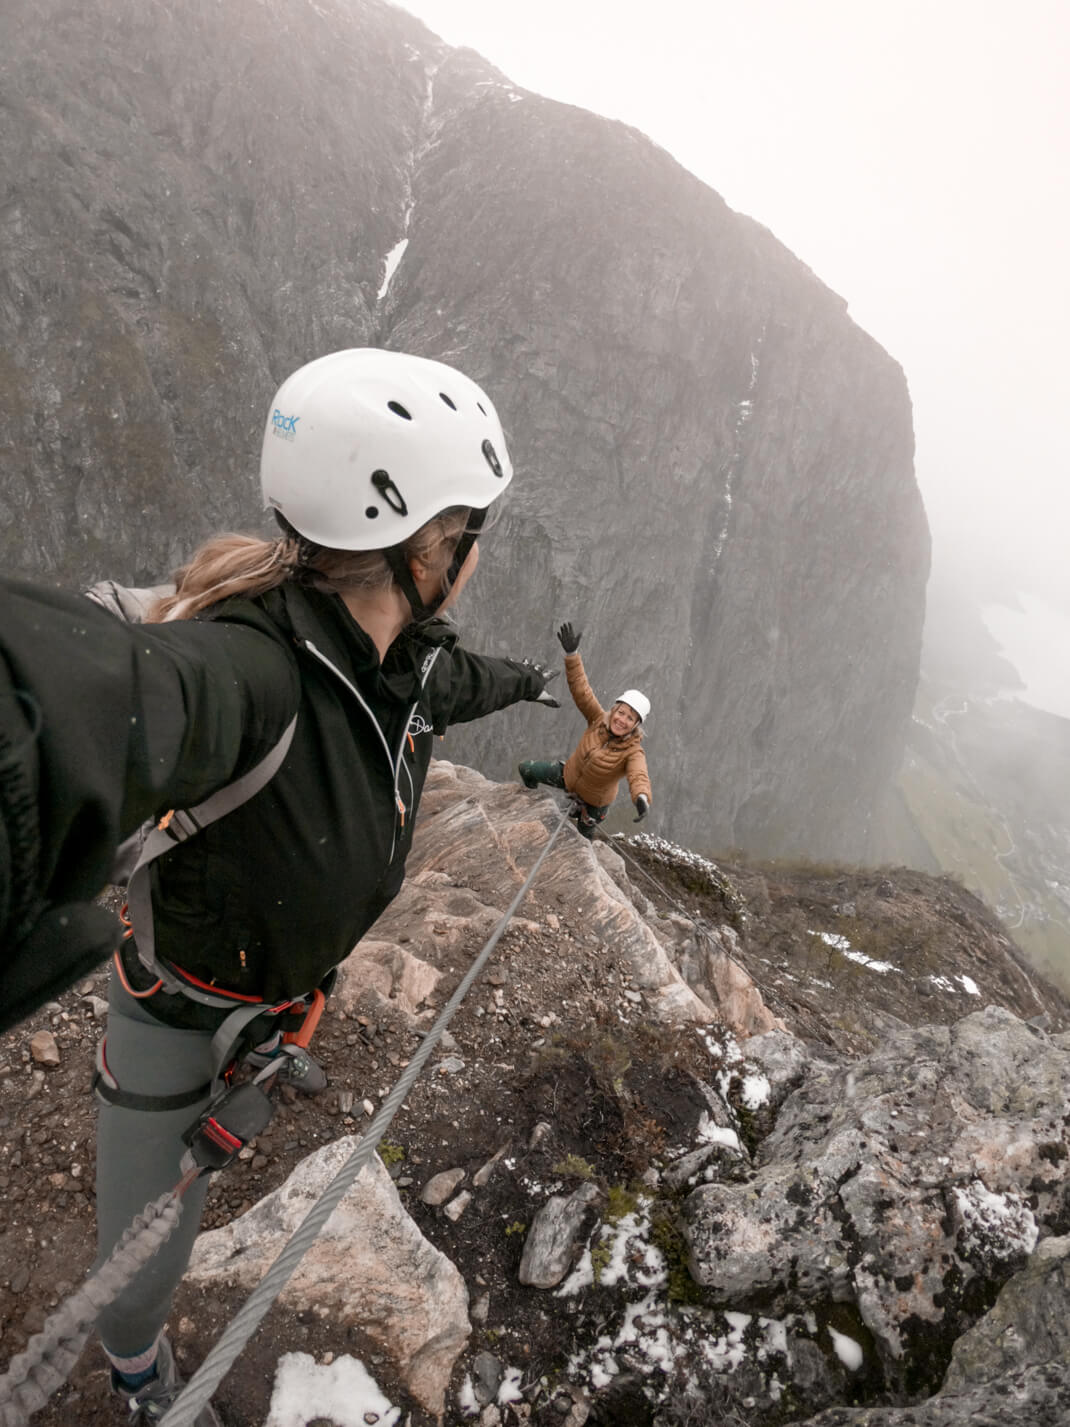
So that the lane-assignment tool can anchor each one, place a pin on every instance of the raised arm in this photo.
(582, 694)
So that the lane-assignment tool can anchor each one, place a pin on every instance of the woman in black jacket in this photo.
(380, 468)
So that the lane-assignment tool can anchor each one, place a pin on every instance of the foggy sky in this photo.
(916, 156)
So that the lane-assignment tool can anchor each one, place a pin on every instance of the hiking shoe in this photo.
(154, 1399)
(289, 1065)
(525, 776)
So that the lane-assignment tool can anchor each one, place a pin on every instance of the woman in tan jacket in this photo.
(610, 749)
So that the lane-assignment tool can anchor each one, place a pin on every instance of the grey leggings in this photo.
(138, 1155)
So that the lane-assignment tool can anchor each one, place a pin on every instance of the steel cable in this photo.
(220, 1359)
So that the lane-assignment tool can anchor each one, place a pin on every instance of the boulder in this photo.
(370, 1267)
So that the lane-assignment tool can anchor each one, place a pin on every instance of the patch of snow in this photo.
(882, 967)
(971, 986)
(628, 1247)
(725, 1354)
(645, 1330)
(393, 258)
(832, 939)
(999, 1223)
(710, 1134)
(844, 947)
(343, 1391)
(467, 1400)
(582, 1276)
(847, 1350)
(509, 1391)
(672, 853)
(603, 1371)
(756, 1090)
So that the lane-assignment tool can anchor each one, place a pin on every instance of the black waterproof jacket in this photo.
(109, 723)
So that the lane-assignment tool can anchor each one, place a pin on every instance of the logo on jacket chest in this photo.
(418, 724)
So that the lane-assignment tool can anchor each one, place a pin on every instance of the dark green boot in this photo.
(535, 771)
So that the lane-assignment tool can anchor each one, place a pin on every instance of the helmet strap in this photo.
(399, 565)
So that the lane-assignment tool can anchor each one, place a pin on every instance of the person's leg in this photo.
(534, 771)
(138, 1156)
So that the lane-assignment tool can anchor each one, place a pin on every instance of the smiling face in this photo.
(622, 719)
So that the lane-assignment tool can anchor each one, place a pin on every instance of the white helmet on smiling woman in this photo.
(363, 447)
(637, 701)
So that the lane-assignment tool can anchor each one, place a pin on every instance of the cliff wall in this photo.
(714, 463)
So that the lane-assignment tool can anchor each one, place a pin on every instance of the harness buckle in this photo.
(225, 1127)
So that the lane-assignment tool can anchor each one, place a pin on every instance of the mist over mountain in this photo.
(982, 791)
(715, 473)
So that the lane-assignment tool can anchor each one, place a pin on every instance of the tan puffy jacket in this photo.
(599, 760)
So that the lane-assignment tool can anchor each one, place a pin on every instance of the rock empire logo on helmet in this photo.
(284, 426)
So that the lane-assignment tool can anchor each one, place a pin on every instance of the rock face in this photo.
(476, 841)
(909, 1185)
(1013, 1368)
(715, 463)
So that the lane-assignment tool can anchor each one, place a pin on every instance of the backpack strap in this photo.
(181, 826)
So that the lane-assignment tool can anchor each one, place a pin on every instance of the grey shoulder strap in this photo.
(183, 825)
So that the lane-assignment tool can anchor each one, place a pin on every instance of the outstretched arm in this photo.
(479, 685)
(102, 724)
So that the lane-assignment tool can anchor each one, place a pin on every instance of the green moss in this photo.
(600, 1259)
(621, 1203)
(516, 1227)
(575, 1167)
(390, 1154)
(668, 1238)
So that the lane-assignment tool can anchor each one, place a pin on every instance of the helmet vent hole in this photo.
(389, 492)
(482, 408)
(398, 410)
(491, 457)
(450, 403)
(372, 511)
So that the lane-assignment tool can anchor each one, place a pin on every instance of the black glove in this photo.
(543, 696)
(642, 807)
(570, 638)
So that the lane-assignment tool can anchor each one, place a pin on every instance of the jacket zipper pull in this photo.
(401, 808)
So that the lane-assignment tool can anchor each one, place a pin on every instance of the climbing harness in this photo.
(233, 1117)
(173, 828)
(220, 1359)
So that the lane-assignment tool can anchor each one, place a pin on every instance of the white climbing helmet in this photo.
(363, 447)
(637, 701)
